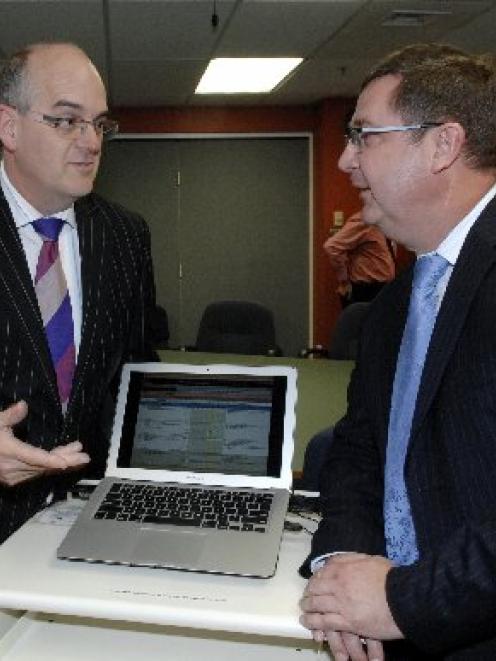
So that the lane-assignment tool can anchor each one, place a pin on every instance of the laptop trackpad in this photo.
(181, 548)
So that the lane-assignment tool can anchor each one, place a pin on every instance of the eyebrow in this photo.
(63, 103)
(364, 121)
(357, 123)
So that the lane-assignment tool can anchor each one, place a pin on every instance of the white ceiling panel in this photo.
(153, 52)
(154, 83)
(478, 34)
(275, 28)
(311, 81)
(81, 21)
(159, 30)
(384, 25)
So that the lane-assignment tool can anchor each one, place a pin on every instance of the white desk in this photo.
(101, 610)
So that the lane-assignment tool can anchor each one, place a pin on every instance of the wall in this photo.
(332, 190)
(234, 226)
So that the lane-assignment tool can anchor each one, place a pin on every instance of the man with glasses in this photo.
(76, 279)
(404, 561)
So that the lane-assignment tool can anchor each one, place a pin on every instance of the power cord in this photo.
(305, 506)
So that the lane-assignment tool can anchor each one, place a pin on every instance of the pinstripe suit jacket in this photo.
(118, 297)
(445, 603)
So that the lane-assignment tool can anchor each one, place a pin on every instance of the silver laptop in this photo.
(198, 473)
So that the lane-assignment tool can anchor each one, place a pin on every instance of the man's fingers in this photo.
(20, 461)
(322, 620)
(13, 414)
(350, 647)
(73, 446)
(12, 448)
(375, 650)
(337, 646)
(72, 454)
(18, 474)
(27, 454)
(355, 647)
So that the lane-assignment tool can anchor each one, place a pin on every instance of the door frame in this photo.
(226, 136)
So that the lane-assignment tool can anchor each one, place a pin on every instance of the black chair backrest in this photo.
(160, 327)
(236, 327)
(314, 459)
(346, 334)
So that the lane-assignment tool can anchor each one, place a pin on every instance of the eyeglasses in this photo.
(71, 127)
(356, 135)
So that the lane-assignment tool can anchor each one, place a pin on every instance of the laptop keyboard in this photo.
(187, 506)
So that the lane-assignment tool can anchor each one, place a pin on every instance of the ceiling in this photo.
(153, 52)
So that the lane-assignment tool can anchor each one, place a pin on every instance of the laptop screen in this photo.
(215, 423)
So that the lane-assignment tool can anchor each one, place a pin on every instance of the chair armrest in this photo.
(314, 352)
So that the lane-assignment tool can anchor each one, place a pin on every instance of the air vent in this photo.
(413, 18)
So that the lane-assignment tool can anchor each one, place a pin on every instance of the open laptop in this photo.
(198, 473)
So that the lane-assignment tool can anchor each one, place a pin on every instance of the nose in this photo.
(89, 137)
(348, 159)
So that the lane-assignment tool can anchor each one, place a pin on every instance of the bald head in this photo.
(25, 74)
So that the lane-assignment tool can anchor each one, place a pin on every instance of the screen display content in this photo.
(215, 424)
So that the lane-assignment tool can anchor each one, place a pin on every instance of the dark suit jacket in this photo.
(446, 602)
(118, 297)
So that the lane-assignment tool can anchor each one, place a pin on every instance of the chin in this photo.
(371, 212)
(84, 188)
(371, 216)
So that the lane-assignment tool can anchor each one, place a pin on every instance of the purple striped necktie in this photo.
(55, 305)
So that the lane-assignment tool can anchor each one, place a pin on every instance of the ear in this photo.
(8, 127)
(449, 140)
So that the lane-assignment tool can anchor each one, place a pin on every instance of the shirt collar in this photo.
(450, 247)
(22, 211)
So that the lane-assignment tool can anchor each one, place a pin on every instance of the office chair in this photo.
(237, 327)
(160, 328)
(346, 335)
(343, 344)
(314, 459)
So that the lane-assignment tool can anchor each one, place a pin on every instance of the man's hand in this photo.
(344, 288)
(348, 595)
(345, 646)
(20, 461)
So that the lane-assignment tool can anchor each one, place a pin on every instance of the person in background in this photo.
(76, 279)
(362, 259)
(404, 560)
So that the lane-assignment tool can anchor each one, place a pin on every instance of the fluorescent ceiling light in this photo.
(245, 75)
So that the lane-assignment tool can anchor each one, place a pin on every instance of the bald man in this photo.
(55, 403)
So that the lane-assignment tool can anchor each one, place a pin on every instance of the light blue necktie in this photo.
(401, 542)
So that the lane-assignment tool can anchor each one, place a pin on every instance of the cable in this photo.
(215, 16)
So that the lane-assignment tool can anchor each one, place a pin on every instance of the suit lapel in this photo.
(92, 247)
(392, 324)
(476, 258)
(19, 294)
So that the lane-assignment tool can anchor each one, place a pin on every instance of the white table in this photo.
(82, 611)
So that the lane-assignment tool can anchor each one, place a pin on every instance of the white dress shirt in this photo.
(24, 214)
(451, 246)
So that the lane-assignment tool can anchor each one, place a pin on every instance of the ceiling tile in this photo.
(158, 30)
(155, 83)
(80, 21)
(268, 28)
(153, 52)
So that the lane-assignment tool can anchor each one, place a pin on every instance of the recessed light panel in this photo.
(242, 75)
